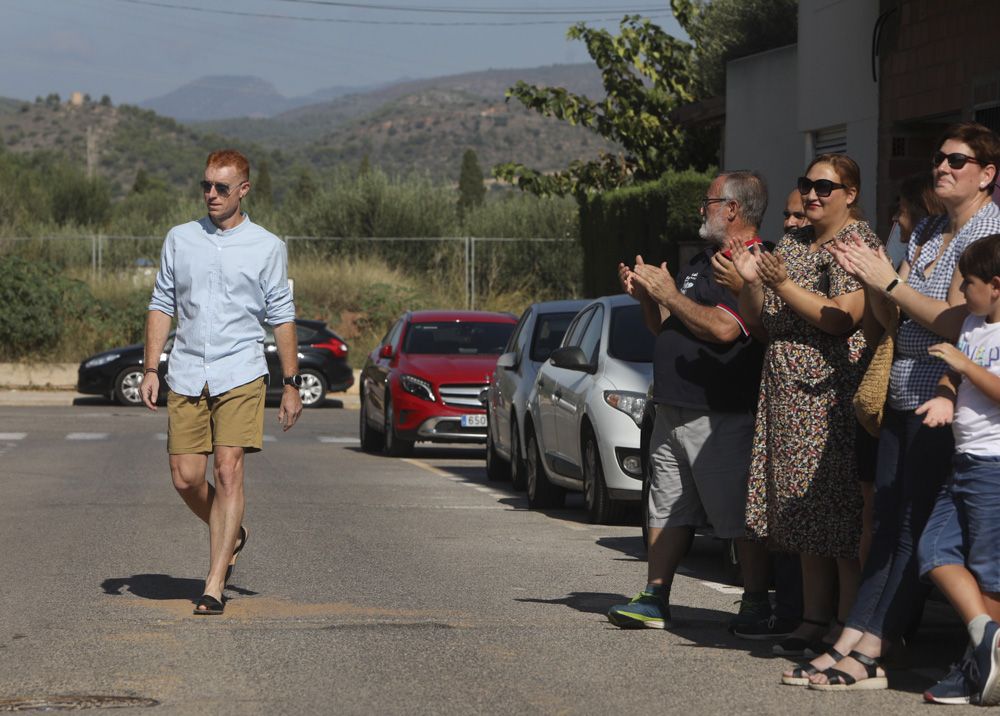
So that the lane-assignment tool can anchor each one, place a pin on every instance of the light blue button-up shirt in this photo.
(222, 286)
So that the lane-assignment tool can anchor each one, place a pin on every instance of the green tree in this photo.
(648, 75)
(365, 166)
(471, 190)
(263, 194)
(142, 182)
(105, 100)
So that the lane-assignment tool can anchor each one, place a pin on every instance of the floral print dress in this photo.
(803, 493)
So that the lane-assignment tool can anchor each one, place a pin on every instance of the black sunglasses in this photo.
(956, 160)
(221, 188)
(822, 187)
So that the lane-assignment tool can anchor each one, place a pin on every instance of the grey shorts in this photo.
(700, 462)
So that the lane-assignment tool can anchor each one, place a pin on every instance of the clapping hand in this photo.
(656, 281)
(626, 277)
(745, 261)
(937, 412)
(725, 272)
(771, 268)
(870, 266)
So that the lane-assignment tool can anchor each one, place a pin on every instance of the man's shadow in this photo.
(162, 586)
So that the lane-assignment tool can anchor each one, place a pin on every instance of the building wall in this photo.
(835, 80)
(938, 64)
(761, 127)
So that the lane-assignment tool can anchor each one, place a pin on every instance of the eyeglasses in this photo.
(956, 160)
(712, 200)
(221, 188)
(822, 187)
(800, 215)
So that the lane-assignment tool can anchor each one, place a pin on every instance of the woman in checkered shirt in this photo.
(913, 460)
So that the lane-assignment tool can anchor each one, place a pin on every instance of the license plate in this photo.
(473, 421)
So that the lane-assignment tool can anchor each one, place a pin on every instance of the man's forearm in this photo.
(708, 323)
(288, 349)
(157, 330)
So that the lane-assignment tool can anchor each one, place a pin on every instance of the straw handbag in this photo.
(869, 400)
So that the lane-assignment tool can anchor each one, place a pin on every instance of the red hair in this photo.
(230, 158)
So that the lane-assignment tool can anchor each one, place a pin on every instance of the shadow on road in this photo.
(588, 602)
(161, 586)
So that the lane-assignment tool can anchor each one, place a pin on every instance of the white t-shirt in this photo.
(977, 418)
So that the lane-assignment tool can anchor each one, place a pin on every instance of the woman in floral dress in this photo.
(803, 494)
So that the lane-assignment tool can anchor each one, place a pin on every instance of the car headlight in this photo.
(632, 404)
(101, 360)
(417, 386)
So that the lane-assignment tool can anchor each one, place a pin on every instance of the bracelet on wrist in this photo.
(892, 285)
(150, 370)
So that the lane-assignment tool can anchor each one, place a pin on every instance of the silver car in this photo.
(539, 331)
(582, 430)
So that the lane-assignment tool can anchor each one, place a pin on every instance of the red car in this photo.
(422, 382)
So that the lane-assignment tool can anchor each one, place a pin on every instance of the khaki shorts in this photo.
(234, 418)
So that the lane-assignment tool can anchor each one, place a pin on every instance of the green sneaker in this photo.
(646, 610)
(753, 610)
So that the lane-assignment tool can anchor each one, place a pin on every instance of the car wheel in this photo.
(394, 446)
(371, 440)
(497, 469)
(127, 386)
(517, 468)
(313, 389)
(600, 507)
(541, 492)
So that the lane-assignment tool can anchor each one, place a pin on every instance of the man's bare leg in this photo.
(188, 474)
(225, 516)
(667, 547)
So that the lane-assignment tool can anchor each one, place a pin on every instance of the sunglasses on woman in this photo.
(221, 188)
(822, 187)
(956, 160)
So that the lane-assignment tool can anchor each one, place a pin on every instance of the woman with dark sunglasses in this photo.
(803, 493)
(913, 460)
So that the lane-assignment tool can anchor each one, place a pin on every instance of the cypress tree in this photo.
(471, 190)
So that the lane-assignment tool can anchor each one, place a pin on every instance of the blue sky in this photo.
(136, 49)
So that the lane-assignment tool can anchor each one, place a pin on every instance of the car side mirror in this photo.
(385, 351)
(571, 358)
(508, 361)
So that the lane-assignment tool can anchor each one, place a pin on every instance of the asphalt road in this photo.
(369, 585)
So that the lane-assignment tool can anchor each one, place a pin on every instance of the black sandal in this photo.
(797, 646)
(837, 680)
(802, 672)
(244, 533)
(208, 605)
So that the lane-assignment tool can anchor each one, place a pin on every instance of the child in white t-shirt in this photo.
(960, 547)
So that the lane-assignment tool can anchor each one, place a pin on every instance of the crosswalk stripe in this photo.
(12, 436)
(161, 436)
(269, 438)
(86, 436)
(336, 439)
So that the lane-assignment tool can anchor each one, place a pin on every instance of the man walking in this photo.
(222, 277)
(706, 373)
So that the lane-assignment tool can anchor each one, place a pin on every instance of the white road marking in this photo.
(336, 439)
(161, 436)
(12, 436)
(269, 438)
(86, 436)
(723, 588)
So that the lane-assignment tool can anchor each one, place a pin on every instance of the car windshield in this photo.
(461, 338)
(549, 331)
(630, 339)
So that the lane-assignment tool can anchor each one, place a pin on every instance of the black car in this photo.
(323, 366)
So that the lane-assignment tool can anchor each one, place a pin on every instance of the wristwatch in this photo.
(295, 380)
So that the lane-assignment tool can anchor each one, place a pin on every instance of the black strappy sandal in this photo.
(797, 646)
(208, 606)
(802, 672)
(838, 680)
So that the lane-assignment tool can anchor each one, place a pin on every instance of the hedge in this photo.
(649, 219)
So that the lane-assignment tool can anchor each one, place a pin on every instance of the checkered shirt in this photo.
(915, 374)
